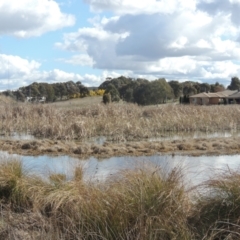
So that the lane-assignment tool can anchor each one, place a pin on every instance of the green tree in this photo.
(154, 92)
(19, 96)
(189, 90)
(176, 87)
(217, 87)
(82, 89)
(142, 94)
(50, 93)
(205, 87)
(42, 89)
(113, 92)
(71, 88)
(235, 84)
(60, 90)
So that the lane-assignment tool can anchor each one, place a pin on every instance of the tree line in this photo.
(144, 92)
(140, 90)
(52, 92)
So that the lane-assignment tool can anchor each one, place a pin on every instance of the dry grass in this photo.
(6, 100)
(85, 102)
(139, 204)
(144, 203)
(116, 121)
(217, 211)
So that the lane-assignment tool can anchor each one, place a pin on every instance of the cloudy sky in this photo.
(89, 40)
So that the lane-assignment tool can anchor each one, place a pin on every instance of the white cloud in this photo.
(81, 60)
(143, 6)
(176, 39)
(27, 18)
(16, 72)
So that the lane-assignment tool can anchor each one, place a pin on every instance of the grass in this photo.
(140, 204)
(119, 122)
(136, 204)
(217, 215)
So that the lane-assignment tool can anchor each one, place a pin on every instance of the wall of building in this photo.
(213, 100)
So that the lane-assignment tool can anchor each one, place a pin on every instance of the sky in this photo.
(90, 40)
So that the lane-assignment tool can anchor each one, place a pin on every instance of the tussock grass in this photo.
(116, 121)
(139, 204)
(143, 203)
(217, 212)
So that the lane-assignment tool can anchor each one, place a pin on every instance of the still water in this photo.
(195, 169)
(164, 136)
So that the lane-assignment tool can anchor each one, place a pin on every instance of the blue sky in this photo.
(90, 40)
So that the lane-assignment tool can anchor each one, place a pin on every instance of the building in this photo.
(234, 98)
(213, 98)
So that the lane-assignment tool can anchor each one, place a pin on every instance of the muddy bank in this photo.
(195, 147)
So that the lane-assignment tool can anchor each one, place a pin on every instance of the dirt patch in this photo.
(213, 146)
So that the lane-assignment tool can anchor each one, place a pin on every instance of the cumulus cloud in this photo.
(16, 72)
(231, 7)
(81, 60)
(27, 18)
(143, 6)
(176, 39)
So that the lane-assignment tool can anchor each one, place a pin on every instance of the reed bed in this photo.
(115, 121)
(143, 203)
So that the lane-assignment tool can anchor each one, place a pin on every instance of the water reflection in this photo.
(196, 135)
(164, 137)
(18, 136)
(195, 169)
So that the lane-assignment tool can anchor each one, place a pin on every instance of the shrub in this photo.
(107, 98)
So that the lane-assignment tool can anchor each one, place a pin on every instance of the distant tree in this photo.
(235, 84)
(118, 83)
(82, 89)
(217, 87)
(33, 90)
(71, 88)
(128, 96)
(189, 90)
(126, 91)
(50, 93)
(154, 92)
(176, 87)
(163, 89)
(19, 96)
(111, 89)
(142, 94)
(205, 87)
(62, 90)
(42, 89)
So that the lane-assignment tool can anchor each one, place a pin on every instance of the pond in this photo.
(195, 169)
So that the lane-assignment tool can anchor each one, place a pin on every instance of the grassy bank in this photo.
(115, 121)
(137, 204)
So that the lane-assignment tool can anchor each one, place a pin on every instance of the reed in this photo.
(115, 121)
